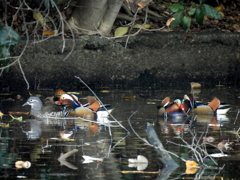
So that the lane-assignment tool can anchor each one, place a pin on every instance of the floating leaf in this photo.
(191, 164)
(4, 125)
(16, 118)
(1, 114)
(23, 164)
(151, 102)
(191, 170)
(120, 31)
(105, 91)
(15, 112)
(218, 155)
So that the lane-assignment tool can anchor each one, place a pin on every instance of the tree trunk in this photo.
(91, 15)
(88, 15)
(110, 16)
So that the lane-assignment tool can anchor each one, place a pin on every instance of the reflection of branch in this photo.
(63, 157)
(196, 148)
(157, 147)
(66, 155)
(236, 117)
(68, 164)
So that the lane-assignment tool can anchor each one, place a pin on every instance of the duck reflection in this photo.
(178, 125)
(214, 122)
(173, 124)
(35, 130)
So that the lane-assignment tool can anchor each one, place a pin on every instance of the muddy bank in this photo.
(150, 60)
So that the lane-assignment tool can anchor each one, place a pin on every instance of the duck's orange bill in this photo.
(13, 112)
(58, 102)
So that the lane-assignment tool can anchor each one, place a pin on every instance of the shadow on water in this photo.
(75, 149)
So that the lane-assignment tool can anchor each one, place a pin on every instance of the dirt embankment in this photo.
(150, 60)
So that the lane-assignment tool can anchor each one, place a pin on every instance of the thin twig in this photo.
(236, 117)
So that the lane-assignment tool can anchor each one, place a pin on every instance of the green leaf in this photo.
(199, 15)
(211, 12)
(191, 11)
(4, 52)
(178, 19)
(195, 5)
(120, 31)
(8, 36)
(201, 1)
(180, 6)
(186, 22)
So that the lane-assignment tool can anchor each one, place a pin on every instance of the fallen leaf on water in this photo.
(130, 97)
(218, 155)
(23, 164)
(208, 139)
(191, 167)
(11, 112)
(120, 31)
(4, 125)
(105, 91)
(151, 102)
(16, 118)
(191, 164)
(191, 170)
(73, 92)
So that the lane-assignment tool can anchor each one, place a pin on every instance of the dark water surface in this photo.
(39, 141)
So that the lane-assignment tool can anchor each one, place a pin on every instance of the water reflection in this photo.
(102, 150)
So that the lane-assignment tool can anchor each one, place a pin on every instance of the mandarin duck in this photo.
(37, 109)
(36, 105)
(210, 108)
(72, 97)
(71, 101)
(75, 108)
(57, 94)
(103, 110)
(179, 107)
